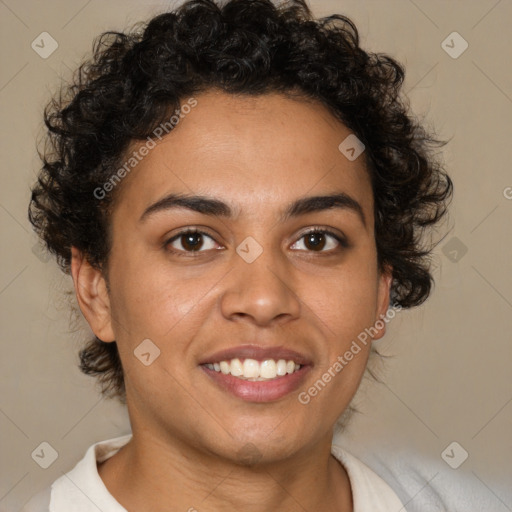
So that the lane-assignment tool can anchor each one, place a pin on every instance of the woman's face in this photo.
(254, 288)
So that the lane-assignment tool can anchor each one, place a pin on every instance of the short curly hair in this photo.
(134, 80)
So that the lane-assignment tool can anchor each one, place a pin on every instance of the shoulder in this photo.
(82, 486)
(370, 492)
(426, 482)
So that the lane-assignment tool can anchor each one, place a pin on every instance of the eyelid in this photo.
(186, 231)
(337, 235)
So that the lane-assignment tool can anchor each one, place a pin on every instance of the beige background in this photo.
(450, 375)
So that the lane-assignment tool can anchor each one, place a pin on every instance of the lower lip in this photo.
(259, 391)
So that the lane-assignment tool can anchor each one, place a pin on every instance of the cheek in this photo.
(343, 307)
(154, 310)
(167, 309)
(344, 302)
(150, 298)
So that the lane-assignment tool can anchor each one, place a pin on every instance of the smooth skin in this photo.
(313, 295)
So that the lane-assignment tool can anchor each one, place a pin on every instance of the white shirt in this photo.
(83, 490)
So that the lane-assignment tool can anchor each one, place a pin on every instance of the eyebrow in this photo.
(215, 207)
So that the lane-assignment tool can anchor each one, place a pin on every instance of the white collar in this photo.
(83, 490)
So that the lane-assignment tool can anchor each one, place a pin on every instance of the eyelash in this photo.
(315, 230)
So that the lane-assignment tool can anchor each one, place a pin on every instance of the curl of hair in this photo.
(134, 80)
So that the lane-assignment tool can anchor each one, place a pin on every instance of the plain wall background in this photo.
(450, 375)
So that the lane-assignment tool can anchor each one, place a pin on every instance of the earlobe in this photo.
(384, 288)
(92, 296)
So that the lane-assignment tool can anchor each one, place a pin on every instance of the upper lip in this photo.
(256, 352)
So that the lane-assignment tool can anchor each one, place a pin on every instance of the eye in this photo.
(320, 240)
(191, 240)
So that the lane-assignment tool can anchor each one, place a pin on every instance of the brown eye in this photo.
(191, 241)
(320, 240)
(315, 241)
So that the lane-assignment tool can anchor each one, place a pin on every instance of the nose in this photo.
(260, 292)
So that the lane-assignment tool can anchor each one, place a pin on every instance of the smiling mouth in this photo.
(255, 373)
(253, 370)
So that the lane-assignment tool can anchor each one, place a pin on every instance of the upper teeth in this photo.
(255, 370)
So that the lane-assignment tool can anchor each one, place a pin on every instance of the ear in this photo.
(92, 295)
(384, 287)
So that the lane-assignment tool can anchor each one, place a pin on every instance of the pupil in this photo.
(192, 241)
(315, 240)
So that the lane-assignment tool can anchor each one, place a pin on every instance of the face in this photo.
(222, 258)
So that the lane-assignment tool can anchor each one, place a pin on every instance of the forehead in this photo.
(249, 151)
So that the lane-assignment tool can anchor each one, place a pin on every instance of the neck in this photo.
(147, 474)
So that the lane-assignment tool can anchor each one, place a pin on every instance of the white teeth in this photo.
(254, 370)
(281, 367)
(251, 369)
(268, 369)
(236, 368)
